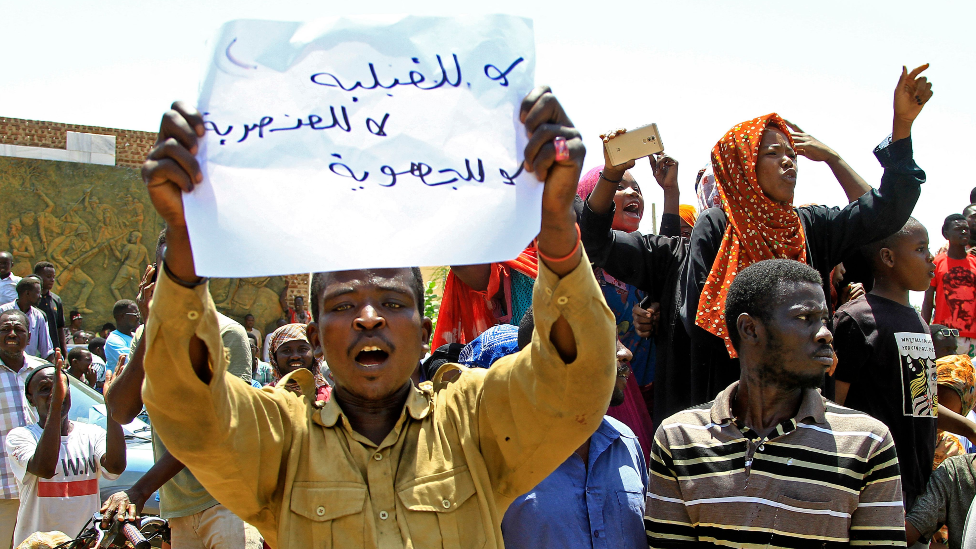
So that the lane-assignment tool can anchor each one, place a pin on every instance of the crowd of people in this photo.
(754, 375)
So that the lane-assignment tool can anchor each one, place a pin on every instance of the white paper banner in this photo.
(364, 143)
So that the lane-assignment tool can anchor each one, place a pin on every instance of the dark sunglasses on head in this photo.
(948, 332)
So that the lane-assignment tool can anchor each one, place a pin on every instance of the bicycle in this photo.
(146, 533)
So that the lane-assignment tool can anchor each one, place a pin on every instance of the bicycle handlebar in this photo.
(135, 536)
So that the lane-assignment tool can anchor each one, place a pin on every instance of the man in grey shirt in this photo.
(946, 500)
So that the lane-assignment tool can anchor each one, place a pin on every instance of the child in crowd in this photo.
(886, 360)
(953, 290)
(57, 462)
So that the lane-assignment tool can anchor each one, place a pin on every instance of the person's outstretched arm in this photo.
(44, 462)
(542, 403)
(640, 260)
(113, 460)
(883, 211)
(206, 417)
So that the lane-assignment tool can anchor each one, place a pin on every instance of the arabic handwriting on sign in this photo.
(426, 173)
(501, 76)
(416, 78)
(340, 120)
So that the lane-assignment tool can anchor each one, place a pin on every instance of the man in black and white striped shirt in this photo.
(770, 462)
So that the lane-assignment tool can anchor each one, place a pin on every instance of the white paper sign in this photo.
(364, 143)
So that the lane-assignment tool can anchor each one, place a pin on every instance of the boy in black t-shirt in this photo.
(886, 359)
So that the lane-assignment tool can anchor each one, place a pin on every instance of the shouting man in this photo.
(383, 462)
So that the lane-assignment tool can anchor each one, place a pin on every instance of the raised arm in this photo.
(809, 146)
(113, 460)
(220, 419)
(44, 462)
(640, 260)
(563, 379)
(880, 212)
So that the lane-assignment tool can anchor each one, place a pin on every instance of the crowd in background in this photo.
(772, 383)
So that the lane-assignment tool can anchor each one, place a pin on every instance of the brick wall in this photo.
(131, 146)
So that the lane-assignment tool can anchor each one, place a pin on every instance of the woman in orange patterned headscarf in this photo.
(762, 221)
(755, 170)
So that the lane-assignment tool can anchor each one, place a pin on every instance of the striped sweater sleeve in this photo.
(667, 521)
(880, 516)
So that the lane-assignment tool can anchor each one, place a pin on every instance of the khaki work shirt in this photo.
(443, 477)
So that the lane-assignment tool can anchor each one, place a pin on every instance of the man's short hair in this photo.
(96, 343)
(26, 284)
(76, 353)
(17, 313)
(41, 265)
(319, 280)
(121, 307)
(108, 326)
(950, 219)
(972, 195)
(754, 290)
(248, 315)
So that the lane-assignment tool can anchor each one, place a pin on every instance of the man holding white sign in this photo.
(384, 463)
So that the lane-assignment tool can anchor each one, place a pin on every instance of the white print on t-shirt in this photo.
(918, 374)
(67, 500)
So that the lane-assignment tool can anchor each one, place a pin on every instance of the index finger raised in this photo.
(916, 71)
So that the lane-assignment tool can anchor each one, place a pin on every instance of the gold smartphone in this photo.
(637, 143)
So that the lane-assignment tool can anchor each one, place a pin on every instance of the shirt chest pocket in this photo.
(440, 511)
(335, 512)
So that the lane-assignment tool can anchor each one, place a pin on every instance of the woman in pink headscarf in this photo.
(622, 298)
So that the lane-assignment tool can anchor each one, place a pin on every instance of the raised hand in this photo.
(170, 170)
(171, 167)
(911, 94)
(60, 380)
(545, 120)
(809, 146)
(614, 173)
(665, 170)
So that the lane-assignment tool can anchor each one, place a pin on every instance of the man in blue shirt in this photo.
(127, 319)
(595, 499)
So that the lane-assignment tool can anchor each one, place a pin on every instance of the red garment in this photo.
(759, 228)
(633, 414)
(465, 312)
(955, 293)
(294, 318)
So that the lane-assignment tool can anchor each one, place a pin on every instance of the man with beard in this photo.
(770, 461)
(596, 497)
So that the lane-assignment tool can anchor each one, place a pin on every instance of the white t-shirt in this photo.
(66, 501)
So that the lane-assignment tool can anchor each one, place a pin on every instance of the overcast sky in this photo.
(695, 68)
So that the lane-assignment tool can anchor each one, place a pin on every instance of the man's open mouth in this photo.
(633, 208)
(371, 356)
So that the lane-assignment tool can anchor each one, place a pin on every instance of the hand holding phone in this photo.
(622, 146)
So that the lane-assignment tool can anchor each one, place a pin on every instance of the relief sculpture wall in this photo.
(96, 224)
